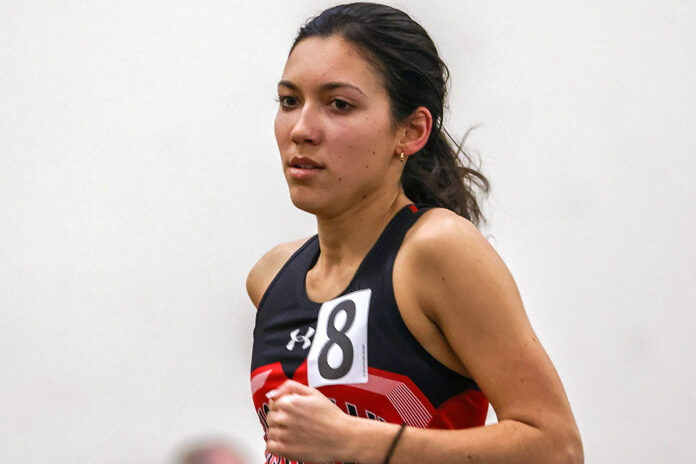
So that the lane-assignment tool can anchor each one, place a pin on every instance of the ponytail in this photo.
(438, 176)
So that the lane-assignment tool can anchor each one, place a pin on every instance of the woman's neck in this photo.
(345, 239)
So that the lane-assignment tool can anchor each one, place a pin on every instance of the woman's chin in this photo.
(307, 204)
(314, 204)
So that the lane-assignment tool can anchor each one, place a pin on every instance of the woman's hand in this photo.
(303, 425)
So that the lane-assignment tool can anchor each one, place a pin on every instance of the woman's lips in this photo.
(304, 172)
(303, 167)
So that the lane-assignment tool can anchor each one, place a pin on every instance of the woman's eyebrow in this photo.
(326, 86)
(289, 85)
(339, 85)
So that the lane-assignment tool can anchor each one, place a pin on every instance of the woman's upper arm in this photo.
(467, 290)
(262, 273)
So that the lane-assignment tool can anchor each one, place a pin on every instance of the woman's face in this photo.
(334, 128)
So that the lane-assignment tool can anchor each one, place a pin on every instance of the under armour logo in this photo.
(305, 339)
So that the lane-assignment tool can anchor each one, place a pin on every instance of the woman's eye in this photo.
(287, 101)
(341, 105)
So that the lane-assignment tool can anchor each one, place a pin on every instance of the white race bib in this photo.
(339, 349)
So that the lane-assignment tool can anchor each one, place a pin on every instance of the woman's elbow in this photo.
(569, 449)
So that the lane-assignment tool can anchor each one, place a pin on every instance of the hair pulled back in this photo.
(405, 56)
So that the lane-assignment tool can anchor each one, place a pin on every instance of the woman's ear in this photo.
(415, 131)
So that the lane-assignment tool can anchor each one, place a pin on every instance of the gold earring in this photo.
(402, 157)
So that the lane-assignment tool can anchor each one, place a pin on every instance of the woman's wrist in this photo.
(368, 441)
(394, 443)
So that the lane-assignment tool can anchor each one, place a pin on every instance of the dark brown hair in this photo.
(441, 173)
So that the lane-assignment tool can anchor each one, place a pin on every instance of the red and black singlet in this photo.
(399, 381)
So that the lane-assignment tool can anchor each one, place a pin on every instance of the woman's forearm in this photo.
(507, 442)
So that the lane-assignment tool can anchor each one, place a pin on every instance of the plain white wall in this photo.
(139, 181)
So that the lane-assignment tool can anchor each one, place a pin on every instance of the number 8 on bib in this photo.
(339, 349)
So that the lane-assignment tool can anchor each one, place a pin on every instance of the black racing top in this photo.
(403, 383)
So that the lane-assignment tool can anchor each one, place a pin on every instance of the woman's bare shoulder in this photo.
(440, 227)
(443, 246)
(263, 272)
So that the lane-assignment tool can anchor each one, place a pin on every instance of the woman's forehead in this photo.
(317, 60)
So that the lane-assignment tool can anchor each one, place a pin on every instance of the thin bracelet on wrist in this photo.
(393, 443)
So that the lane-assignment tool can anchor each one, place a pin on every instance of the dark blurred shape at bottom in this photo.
(210, 452)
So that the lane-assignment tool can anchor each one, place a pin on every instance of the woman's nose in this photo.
(306, 129)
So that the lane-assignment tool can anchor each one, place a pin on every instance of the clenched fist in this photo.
(303, 425)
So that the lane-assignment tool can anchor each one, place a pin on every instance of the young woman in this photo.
(383, 337)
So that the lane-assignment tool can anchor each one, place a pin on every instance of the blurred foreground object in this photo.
(217, 452)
